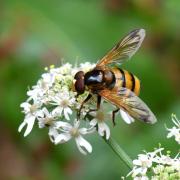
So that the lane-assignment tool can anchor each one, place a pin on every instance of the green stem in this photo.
(119, 152)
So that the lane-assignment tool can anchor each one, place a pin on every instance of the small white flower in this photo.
(143, 160)
(34, 94)
(63, 101)
(158, 169)
(172, 132)
(47, 119)
(69, 131)
(43, 85)
(65, 69)
(86, 66)
(143, 163)
(99, 119)
(164, 159)
(47, 80)
(32, 111)
(175, 130)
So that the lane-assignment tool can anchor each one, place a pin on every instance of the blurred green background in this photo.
(35, 34)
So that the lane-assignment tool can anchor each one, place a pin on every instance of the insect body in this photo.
(127, 80)
(117, 86)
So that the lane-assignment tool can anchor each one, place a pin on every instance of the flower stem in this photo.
(119, 152)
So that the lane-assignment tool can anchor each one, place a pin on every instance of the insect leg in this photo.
(113, 115)
(98, 105)
(86, 100)
(98, 102)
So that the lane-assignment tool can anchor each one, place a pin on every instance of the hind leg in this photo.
(98, 104)
(113, 115)
(86, 100)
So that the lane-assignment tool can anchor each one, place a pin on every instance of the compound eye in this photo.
(79, 75)
(79, 86)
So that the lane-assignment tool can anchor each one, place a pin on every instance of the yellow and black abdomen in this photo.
(127, 80)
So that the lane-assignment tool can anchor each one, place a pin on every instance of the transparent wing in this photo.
(126, 48)
(130, 103)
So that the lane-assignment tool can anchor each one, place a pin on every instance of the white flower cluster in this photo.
(175, 130)
(159, 166)
(53, 103)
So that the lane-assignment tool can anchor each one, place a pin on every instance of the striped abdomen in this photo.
(127, 80)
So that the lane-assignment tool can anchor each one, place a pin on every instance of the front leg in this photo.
(86, 100)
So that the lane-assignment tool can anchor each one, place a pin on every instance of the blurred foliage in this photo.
(35, 34)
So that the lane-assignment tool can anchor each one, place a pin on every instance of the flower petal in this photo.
(53, 133)
(25, 105)
(128, 119)
(137, 171)
(39, 113)
(76, 123)
(29, 120)
(62, 138)
(57, 111)
(87, 130)
(137, 162)
(21, 126)
(30, 124)
(41, 122)
(83, 145)
(103, 129)
(93, 122)
(65, 126)
(67, 111)
(45, 111)
(93, 113)
(144, 170)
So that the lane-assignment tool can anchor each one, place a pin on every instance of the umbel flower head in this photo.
(157, 165)
(53, 103)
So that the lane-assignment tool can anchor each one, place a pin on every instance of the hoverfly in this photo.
(115, 85)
